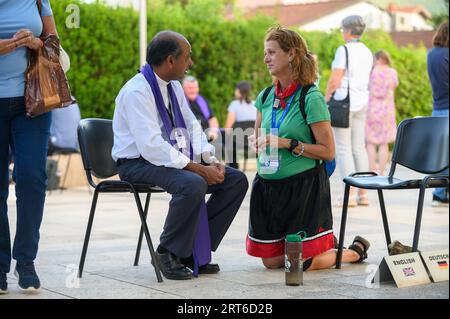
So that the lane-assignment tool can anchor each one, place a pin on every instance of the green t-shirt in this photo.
(293, 127)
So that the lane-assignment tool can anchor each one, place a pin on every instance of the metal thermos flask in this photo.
(293, 259)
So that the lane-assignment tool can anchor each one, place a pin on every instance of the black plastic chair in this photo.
(95, 137)
(421, 145)
(240, 146)
(59, 152)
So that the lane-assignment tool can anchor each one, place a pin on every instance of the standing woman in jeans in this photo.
(437, 65)
(20, 28)
(351, 154)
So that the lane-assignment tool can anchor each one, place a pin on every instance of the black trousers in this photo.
(188, 190)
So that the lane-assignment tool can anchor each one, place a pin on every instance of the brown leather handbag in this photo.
(46, 86)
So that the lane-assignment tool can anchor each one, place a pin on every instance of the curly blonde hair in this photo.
(303, 65)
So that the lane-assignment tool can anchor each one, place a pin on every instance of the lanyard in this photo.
(286, 110)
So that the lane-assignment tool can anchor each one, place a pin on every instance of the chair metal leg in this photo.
(57, 166)
(245, 157)
(384, 216)
(66, 172)
(147, 236)
(418, 218)
(141, 232)
(342, 231)
(88, 233)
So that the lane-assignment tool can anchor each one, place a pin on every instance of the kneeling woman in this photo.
(291, 191)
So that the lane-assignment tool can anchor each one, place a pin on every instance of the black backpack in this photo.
(330, 166)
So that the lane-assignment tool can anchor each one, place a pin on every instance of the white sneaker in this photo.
(437, 202)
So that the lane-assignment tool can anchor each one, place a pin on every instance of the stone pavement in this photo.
(109, 270)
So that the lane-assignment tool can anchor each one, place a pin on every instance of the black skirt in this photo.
(301, 202)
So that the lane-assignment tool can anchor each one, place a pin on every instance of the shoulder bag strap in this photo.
(302, 105)
(347, 70)
(266, 93)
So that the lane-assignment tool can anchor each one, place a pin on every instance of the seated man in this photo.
(63, 130)
(200, 107)
(156, 137)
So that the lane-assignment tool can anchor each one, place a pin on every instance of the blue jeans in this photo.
(441, 193)
(28, 141)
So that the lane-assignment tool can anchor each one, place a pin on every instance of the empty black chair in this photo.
(421, 145)
(240, 145)
(59, 152)
(95, 137)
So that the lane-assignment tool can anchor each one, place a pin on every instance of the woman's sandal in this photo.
(351, 202)
(363, 200)
(362, 252)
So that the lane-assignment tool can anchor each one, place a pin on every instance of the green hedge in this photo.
(104, 53)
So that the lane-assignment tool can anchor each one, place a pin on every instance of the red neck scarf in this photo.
(283, 95)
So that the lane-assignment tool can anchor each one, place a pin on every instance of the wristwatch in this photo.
(293, 144)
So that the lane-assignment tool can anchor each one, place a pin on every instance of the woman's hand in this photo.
(261, 143)
(7, 46)
(253, 142)
(274, 142)
(25, 38)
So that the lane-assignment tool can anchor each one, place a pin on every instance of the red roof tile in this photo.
(414, 38)
(299, 14)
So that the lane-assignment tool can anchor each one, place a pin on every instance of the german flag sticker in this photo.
(443, 264)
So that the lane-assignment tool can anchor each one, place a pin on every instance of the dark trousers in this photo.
(28, 141)
(188, 190)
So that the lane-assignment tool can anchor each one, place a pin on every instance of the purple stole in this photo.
(203, 105)
(201, 251)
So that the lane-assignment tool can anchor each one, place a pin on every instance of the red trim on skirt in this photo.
(311, 248)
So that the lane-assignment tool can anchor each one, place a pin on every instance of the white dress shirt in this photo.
(244, 111)
(139, 130)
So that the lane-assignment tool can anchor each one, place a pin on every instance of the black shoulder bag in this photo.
(340, 109)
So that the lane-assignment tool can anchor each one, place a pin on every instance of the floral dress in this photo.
(381, 126)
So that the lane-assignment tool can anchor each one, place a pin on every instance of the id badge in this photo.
(181, 141)
(276, 103)
(274, 164)
(269, 164)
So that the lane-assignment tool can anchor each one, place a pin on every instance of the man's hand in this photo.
(213, 174)
(221, 167)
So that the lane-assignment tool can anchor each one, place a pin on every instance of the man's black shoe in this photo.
(171, 267)
(3, 284)
(202, 270)
(209, 269)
